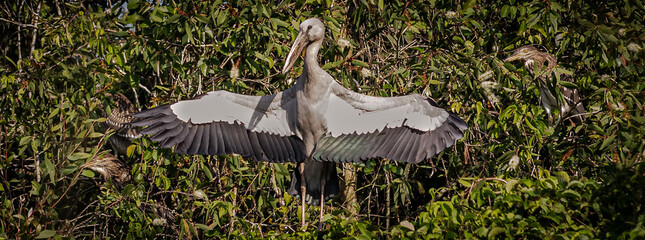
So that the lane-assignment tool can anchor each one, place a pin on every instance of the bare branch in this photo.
(58, 8)
(25, 25)
(34, 33)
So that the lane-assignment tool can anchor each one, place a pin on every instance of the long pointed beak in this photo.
(296, 49)
(512, 58)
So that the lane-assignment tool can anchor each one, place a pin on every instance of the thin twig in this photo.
(276, 189)
(25, 25)
(177, 192)
(387, 198)
(58, 8)
(264, 81)
(145, 89)
(580, 114)
(35, 31)
(234, 209)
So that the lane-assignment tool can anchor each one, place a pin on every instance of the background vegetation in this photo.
(514, 175)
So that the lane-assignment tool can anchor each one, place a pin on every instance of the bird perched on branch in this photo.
(110, 167)
(315, 123)
(552, 94)
(119, 120)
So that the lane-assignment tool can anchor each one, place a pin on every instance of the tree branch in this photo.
(35, 31)
(25, 25)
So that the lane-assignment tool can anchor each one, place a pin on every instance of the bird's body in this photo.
(542, 66)
(317, 122)
(120, 119)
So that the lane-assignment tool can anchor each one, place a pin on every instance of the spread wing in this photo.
(120, 119)
(408, 128)
(220, 122)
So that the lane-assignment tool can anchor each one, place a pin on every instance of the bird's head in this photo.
(109, 166)
(311, 30)
(533, 58)
(524, 53)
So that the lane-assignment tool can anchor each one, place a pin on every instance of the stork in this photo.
(315, 124)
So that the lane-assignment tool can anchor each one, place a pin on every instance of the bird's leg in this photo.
(323, 181)
(303, 191)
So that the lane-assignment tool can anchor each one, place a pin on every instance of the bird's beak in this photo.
(296, 49)
(512, 58)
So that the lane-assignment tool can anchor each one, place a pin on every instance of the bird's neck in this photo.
(311, 57)
(542, 64)
(315, 78)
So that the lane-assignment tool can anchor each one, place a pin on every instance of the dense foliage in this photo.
(516, 174)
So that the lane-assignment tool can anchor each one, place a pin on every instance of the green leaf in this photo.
(46, 234)
(133, 4)
(359, 63)
(79, 155)
(575, 184)
(88, 173)
(203, 227)
(505, 10)
(130, 150)
(50, 169)
(568, 84)
(434, 82)
(173, 19)
(202, 18)
(206, 172)
(264, 58)
(570, 193)
(54, 113)
(24, 140)
(95, 135)
(35, 188)
(68, 170)
(399, 71)
(511, 184)
(278, 22)
(607, 141)
(91, 120)
(332, 65)
(189, 32)
(154, 16)
(495, 231)
(465, 183)
(120, 33)
(407, 225)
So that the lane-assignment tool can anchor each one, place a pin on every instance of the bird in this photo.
(315, 123)
(110, 167)
(120, 119)
(542, 66)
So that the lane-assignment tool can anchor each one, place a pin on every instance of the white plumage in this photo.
(316, 123)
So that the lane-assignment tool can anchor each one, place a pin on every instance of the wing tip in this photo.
(458, 122)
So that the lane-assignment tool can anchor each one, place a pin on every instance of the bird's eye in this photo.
(309, 27)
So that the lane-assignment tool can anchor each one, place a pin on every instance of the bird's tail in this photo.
(572, 99)
(315, 173)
